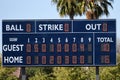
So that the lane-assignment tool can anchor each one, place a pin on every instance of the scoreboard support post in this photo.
(23, 73)
(97, 73)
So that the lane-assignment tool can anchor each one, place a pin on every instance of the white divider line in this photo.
(35, 26)
(93, 48)
(72, 26)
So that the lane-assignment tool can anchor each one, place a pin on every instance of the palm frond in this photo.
(98, 11)
(55, 1)
(106, 2)
(105, 8)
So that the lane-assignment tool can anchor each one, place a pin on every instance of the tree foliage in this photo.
(6, 74)
(40, 73)
(68, 7)
(92, 8)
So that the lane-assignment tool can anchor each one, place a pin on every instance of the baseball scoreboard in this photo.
(59, 42)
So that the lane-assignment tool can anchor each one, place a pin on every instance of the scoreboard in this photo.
(59, 42)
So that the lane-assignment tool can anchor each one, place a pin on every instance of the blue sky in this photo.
(42, 9)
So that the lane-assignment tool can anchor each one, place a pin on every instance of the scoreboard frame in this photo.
(60, 32)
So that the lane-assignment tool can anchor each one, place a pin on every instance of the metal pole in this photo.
(23, 73)
(97, 73)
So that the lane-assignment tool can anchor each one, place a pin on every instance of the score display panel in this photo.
(59, 42)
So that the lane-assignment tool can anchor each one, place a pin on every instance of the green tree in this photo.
(68, 7)
(6, 73)
(95, 8)
(92, 8)
(70, 73)
(40, 73)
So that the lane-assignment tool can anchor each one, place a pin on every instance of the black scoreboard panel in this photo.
(59, 42)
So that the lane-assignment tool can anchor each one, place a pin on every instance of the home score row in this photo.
(59, 42)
